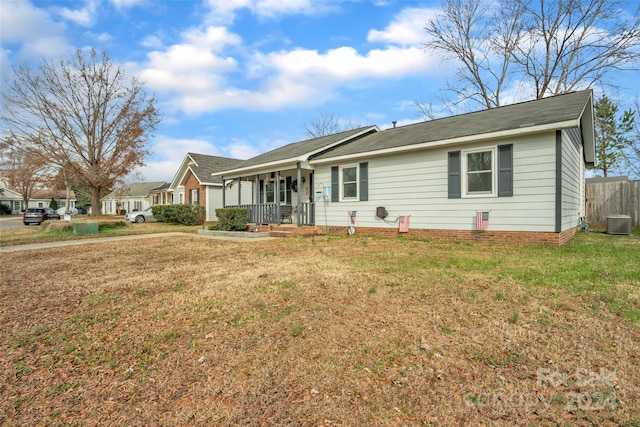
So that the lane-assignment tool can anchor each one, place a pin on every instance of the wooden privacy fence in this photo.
(612, 196)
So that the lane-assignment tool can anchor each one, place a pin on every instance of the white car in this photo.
(65, 211)
(140, 216)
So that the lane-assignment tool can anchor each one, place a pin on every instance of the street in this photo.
(13, 221)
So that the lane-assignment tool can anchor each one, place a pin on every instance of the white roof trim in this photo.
(257, 169)
(182, 170)
(292, 161)
(462, 140)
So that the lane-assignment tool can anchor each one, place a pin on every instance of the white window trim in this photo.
(357, 196)
(494, 174)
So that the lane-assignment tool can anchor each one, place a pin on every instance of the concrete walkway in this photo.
(64, 243)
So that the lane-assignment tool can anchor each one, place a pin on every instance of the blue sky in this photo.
(237, 78)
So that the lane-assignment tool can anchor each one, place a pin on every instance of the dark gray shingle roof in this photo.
(545, 111)
(206, 165)
(298, 149)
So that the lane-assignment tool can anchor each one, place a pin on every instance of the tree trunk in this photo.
(68, 199)
(96, 205)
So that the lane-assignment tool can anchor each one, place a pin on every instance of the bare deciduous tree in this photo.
(24, 171)
(547, 47)
(327, 124)
(65, 178)
(83, 114)
(632, 155)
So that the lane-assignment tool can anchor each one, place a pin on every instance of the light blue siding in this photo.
(416, 184)
(572, 179)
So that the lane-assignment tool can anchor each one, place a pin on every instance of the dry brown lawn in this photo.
(323, 331)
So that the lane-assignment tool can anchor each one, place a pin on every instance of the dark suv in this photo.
(34, 216)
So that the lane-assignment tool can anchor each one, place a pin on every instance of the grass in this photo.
(324, 331)
(54, 230)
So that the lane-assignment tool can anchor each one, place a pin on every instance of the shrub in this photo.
(232, 219)
(5, 209)
(53, 204)
(179, 214)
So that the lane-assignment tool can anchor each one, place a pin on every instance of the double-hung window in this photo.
(349, 182)
(484, 172)
(479, 172)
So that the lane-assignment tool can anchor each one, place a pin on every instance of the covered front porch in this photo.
(277, 197)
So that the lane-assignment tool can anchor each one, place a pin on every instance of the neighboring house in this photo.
(39, 199)
(129, 198)
(42, 199)
(13, 200)
(194, 183)
(509, 174)
(161, 195)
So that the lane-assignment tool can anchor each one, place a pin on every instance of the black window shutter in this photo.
(505, 170)
(364, 181)
(261, 191)
(455, 177)
(197, 196)
(335, 183)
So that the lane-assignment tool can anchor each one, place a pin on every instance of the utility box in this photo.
(81, 228)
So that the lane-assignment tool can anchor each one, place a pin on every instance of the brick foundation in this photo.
(486, 236)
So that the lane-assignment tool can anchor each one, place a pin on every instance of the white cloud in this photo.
(100, 37)
(168, 154)
(197, 78)
(407, 28)
(240, 149)
(153, 42)
(224, 11)
(192, 69)
(85, 16)
(211, 70)
(127, 4)
(17, 23)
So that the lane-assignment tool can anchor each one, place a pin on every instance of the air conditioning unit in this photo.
(618, 224)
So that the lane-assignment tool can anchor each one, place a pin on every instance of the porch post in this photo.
(256, 200)
(298, 196)
(224, 203)
(276, 198)
(239, 191)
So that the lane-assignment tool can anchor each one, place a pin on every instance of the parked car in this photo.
(34, 216)
(65, 211)
(51, 214)
(140, 216)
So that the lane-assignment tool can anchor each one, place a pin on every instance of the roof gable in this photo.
(205, 166)
(202, 166)
(559, 111)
